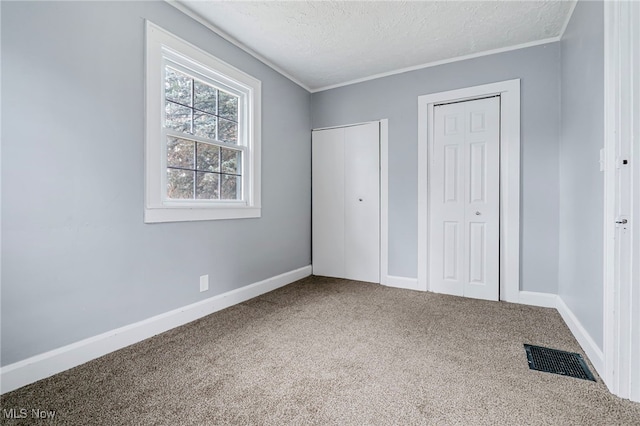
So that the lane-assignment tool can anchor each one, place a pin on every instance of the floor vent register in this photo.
(557, 362)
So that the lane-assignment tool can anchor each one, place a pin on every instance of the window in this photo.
(202, 159)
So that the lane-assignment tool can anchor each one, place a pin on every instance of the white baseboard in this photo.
(49, 363)
(582, 336)
(544, 300)
(401, 282)
(547, 300)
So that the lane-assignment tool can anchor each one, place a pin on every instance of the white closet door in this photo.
(346, 202)
(465, 200)
(362, 202)
(327, 171)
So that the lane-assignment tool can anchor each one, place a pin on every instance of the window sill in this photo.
(188, 214)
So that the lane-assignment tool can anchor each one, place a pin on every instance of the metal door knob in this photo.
(359, 199)
(623, 221)
(478, 213)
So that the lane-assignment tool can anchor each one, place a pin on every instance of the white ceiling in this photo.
(323, 44)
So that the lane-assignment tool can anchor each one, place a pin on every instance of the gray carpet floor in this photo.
(329, 351)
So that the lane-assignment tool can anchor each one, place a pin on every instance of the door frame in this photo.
(509, 92)
(621, 298)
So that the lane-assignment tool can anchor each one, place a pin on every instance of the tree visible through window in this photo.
(204, 169)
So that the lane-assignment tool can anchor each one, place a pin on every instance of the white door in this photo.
(346, 202)
(327, 201)
(622, 200)
(465, 199)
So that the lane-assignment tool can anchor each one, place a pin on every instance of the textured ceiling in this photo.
(327, 43)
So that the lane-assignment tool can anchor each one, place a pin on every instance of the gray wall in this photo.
(77, 259)
(581, 182)
(396, 98)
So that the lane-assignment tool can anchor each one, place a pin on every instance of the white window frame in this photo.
(164, 48)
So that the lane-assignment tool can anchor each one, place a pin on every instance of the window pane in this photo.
(205, 97)
(208, 158)
(177, 87)
(179, 184)
(178, 117)
(230, 187)
(229, 161)
(207, 186)
(180, 153)
(228, 131)
(227, 106)
(204, 125)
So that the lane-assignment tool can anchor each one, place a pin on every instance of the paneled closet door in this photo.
(346, 202)
(464, 199)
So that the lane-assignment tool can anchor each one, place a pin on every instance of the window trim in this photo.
(163, 47)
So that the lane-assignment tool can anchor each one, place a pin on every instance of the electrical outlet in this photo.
(204, 283)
